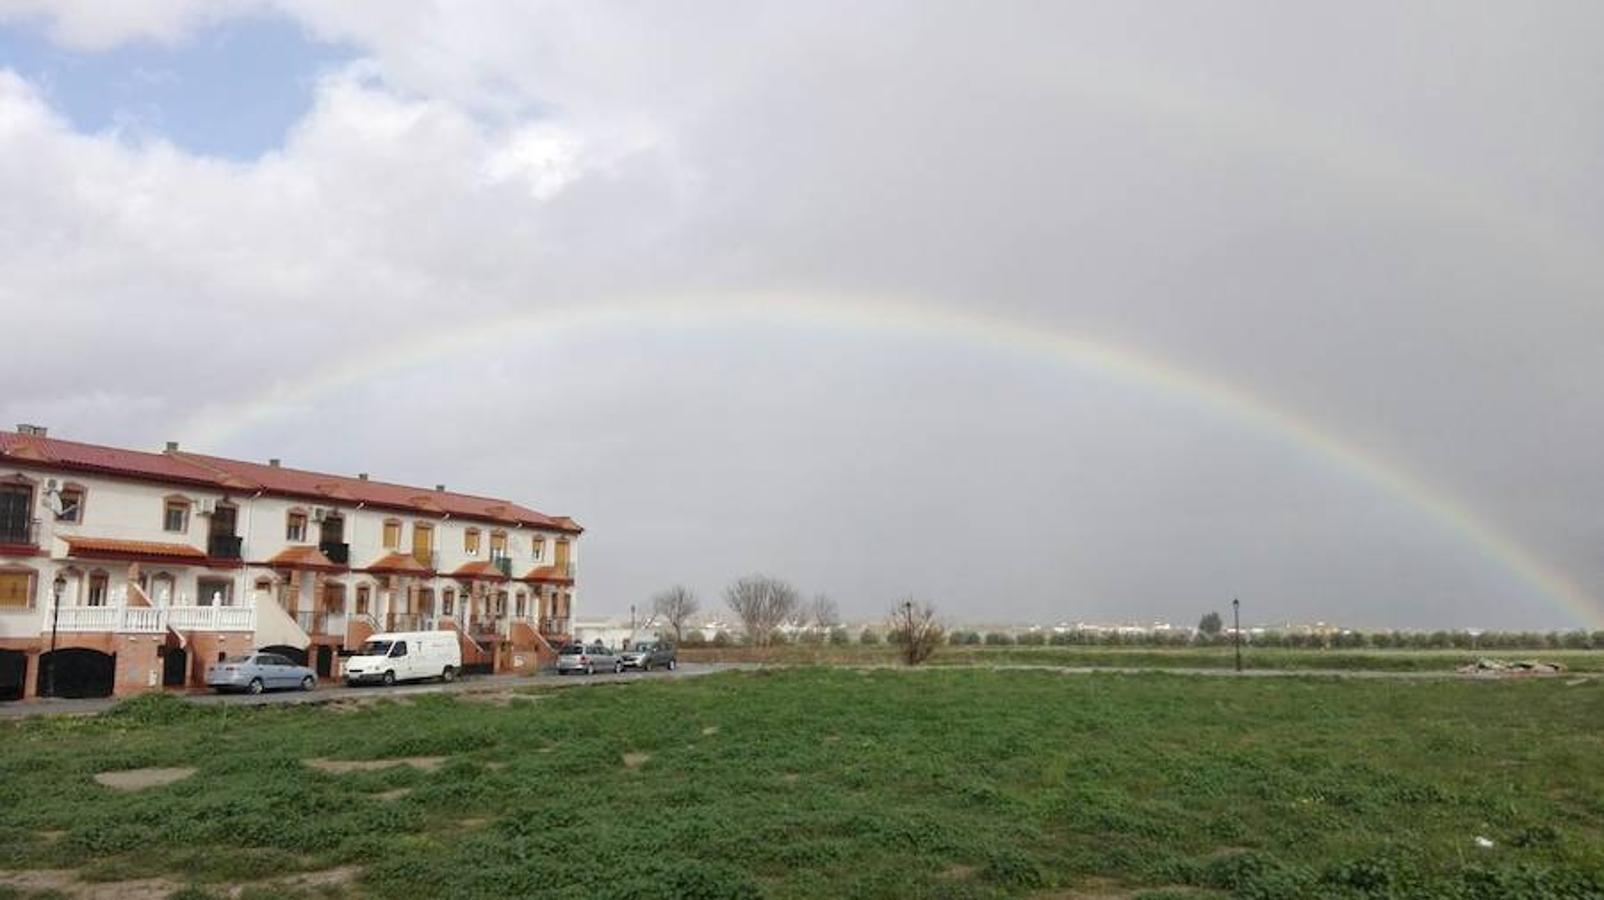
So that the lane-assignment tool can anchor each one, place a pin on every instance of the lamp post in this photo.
(56, 588)
(1236, 630)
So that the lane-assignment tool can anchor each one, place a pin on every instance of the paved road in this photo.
(330, 692)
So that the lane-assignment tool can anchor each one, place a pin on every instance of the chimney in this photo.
(362, 476)
(440, 488)
(172, 446)
(273, 462)
(35, 430)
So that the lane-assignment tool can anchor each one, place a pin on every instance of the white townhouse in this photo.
(124, 571)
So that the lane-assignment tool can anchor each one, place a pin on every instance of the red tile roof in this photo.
(233, 474)
(481, 569)
(302, 558)
(398, 564)
(549, 574)
(93, 546)
(27, 448)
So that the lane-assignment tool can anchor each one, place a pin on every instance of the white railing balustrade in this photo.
(84, 618)
(118, 619)
(142, 620)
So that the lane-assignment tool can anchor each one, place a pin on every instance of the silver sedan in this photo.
(254, 673)
(589, 660)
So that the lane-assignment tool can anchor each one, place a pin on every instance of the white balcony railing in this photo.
(211, 618)
(117, 619)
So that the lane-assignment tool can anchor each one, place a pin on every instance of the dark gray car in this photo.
(258, 672)
(649, 655)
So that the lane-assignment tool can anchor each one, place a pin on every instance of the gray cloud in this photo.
(1379, 218)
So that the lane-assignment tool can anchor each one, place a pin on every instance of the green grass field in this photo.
(825, 783)
(1443, 661)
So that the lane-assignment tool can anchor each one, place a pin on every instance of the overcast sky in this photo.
(291, 229)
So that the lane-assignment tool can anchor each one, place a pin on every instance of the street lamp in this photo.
(1236, 629)
(56, 589)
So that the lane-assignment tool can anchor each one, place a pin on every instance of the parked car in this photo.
(580, 658)
(646, 655)
(405, 656)
(258, 672)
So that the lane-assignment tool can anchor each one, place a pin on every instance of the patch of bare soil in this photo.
(341, 766)
(389, 796)
(139, 779)
(495, 766)
(51, 835)
(635, 760)
(711, 729)
(64, 882)
(498, 698)
(790, 777)
(1107, 889)
(959, 873)
(476, 822)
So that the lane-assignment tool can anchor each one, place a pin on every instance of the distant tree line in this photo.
(1346, 640)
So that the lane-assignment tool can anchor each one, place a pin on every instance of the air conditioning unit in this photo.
(205, 507)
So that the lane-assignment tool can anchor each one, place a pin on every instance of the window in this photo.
(537, 547)
(16, 513)
(423, 543)
(363, 592)
(392, 534)
(16, 589)
(215, 591)
(470, 542)
(295, 526)
(448, 600)
(400, 649)
(175, 517)
(97, 588)
(498, 544)
(72, 504)
(522, 607)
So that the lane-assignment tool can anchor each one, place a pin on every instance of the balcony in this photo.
(117, 619)
(338, 552)
(403, 622)
(554, 626)
(313, 621)
(224, 546)
(211, 618)
(502, 562)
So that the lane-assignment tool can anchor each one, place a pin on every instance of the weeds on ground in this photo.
(805, 783)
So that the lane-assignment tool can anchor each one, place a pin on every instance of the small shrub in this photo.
(1012, 868)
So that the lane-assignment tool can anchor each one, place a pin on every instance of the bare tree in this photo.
(762, 603)
(822, 614)
(675, 606)
(916, 630)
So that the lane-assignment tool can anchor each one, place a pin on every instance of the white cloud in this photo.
(95, 25)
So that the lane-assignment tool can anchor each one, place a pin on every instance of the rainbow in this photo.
(894, 317)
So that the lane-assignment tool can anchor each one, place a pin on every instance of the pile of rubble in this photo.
(1499, 667)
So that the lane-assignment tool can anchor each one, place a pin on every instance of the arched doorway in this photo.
(77, 672)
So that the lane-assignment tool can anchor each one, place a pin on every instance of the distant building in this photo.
(163, 561)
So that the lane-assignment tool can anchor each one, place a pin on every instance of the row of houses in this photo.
(123, 571)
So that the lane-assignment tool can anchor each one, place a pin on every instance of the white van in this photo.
(405, 656)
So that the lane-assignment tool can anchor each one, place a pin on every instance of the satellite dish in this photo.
(54, 504)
